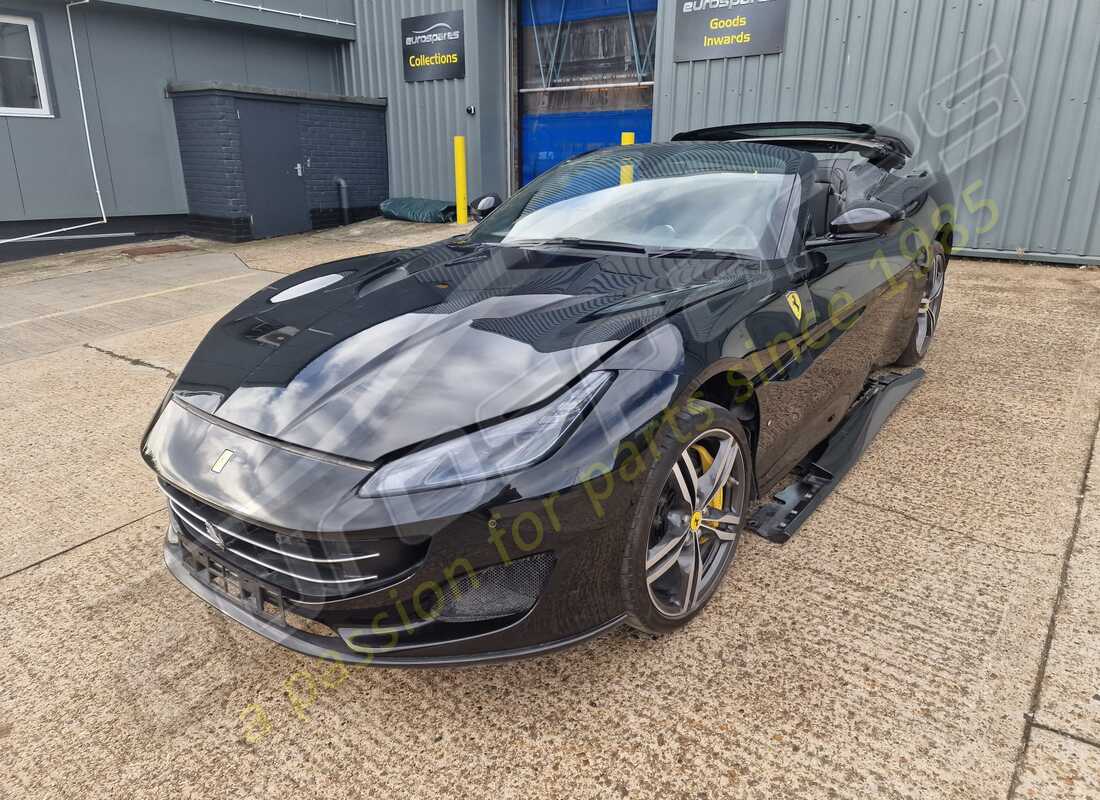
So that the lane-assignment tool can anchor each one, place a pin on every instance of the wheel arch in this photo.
(946, 237)
(732, 389)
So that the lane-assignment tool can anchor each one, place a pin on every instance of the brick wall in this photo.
(338, 140)
(349, 142)
(210, 151)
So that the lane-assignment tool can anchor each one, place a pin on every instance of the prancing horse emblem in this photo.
(213, 535)
(223, 459)
(793, 300)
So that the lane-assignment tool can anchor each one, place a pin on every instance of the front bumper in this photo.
(249, 611)
(430, 538)
(479, 592)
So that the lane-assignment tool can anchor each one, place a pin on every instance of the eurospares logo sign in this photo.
(434, 47)
(707, 29)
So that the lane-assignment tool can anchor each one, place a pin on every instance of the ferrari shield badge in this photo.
(795, 302)
(213, 535)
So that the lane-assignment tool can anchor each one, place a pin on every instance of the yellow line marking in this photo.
(123, 300)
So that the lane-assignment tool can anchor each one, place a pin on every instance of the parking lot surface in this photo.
(931, 632)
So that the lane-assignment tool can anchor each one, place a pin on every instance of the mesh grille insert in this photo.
(498, 591)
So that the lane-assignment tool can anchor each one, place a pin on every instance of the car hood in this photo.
(411, 345)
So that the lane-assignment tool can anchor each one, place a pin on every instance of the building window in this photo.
(22, 75)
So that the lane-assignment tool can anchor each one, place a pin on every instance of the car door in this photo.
(855, 296)
(863, 294)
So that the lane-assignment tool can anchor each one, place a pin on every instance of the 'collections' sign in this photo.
(707, 29)
(434, 47)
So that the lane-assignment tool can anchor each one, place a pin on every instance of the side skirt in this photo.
(779, 520)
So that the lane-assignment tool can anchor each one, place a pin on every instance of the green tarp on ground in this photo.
(416, 209)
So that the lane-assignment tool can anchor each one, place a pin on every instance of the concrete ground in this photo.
(933, 631)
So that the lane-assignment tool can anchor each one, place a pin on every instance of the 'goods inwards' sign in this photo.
(707, 29)
(434, 46)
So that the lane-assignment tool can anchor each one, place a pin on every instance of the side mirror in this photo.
(862, 220)
(485, 205)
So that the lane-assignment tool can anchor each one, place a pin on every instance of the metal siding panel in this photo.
(899, 63)
(340, 9)
(491, 174)
(276, 63)
(50, 154)
(423, 116)
(329, 27)
(1080, 233)
(1006, 28)
(133, 130)
(142, 153)
(11, 198)
(322, 61)
(983, 19)
(1025, 147)
(205, 52)
(1064, 131)
(316, 8)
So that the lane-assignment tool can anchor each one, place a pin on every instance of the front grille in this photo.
(315, 566)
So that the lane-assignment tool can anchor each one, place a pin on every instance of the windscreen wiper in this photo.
(698, 252)
(578, 243)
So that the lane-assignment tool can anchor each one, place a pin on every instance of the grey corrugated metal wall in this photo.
(1000, 92)
(424, 116)
(127, 57)
(1000, 95)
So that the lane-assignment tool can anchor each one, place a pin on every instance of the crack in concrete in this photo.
(969, 537)
(137, 362)
(69, 549)
(1037, 690)
(246, 265)
(1075, 737)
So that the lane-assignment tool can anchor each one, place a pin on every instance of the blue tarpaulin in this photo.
(549, 12)
(548, 139)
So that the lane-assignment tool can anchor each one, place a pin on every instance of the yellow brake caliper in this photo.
(706, 459)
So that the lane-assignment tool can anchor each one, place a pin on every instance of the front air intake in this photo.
(502, 590)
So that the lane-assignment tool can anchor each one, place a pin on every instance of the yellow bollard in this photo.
(462, 205)
(626, 171)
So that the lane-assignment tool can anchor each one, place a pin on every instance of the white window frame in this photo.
(39, 73)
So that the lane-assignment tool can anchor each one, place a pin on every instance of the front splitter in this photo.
(321, 647)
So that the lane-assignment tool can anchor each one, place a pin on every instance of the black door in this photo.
(271, 156)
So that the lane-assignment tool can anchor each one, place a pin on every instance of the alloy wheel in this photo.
(929, 313)
(696, 523)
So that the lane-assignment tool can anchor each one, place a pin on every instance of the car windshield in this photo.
(716, 196)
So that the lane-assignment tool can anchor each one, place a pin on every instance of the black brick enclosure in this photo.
(340, 138)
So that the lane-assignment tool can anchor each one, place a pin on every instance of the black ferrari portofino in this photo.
(517, 438)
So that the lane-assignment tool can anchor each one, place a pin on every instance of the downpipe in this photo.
(87, 137)
(345, 207)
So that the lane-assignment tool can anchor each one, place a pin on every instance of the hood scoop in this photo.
(383, 280)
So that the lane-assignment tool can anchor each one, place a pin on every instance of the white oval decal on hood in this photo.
(304, 288)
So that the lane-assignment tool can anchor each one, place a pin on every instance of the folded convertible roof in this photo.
(852, 131)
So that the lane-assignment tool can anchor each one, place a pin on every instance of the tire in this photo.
(928, 313)
(663, 535)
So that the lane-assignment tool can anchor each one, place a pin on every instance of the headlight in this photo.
(497, 450)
